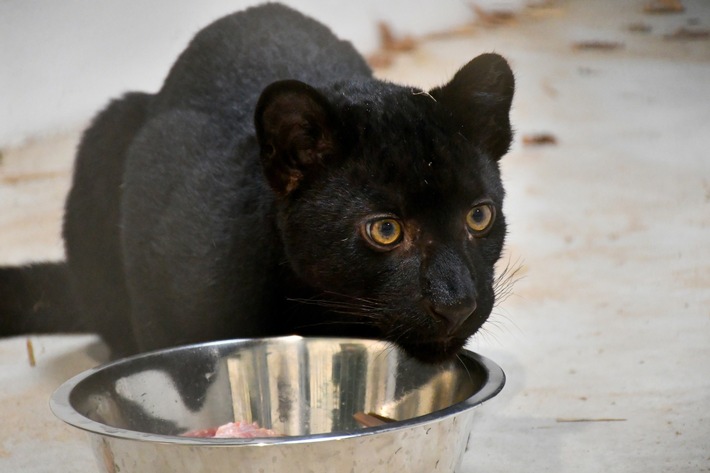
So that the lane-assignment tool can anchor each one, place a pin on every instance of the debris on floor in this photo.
(538, 139)
(664, 7)
(688, 34)
(599, 45)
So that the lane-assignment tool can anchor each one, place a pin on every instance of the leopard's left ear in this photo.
(479, 98)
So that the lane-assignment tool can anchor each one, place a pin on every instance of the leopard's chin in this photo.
(433, 351)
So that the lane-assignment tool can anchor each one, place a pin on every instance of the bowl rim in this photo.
(61, 407)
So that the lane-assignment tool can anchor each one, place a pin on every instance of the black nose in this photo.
(448, 287)
(453, 314)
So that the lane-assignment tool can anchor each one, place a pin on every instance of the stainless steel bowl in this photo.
(306, 388)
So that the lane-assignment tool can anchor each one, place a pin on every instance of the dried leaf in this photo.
(390, 42)
(539, 139)
(688, 34)
(493, 17)
(640, 27)
(599, 45)
(380, 60)
(664, 7)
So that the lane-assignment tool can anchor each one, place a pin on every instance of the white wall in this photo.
(61, 60)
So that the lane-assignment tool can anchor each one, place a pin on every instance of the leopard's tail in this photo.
(38, 299)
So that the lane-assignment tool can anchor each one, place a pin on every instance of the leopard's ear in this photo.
(295, 127)
(479, 97)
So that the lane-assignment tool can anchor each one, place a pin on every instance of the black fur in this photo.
(235, 202)
(37, 299)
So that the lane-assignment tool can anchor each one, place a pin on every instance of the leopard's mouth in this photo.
(433, 344)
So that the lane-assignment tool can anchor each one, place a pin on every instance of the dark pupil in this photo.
(387, 229)
(478, 215)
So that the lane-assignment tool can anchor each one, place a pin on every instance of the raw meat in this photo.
(234, 430)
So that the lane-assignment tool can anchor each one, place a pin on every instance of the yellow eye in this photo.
(384, 231)
(480, 218)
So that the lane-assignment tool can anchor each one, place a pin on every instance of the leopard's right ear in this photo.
(295, 127)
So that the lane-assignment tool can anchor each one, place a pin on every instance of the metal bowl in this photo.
(305, 388)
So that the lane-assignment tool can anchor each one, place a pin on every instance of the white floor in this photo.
(606, 338)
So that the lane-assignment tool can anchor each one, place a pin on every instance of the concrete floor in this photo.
(606, 337)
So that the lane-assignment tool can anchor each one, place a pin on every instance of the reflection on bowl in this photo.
(307, 389)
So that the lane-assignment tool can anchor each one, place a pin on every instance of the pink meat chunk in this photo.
(235, 430)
